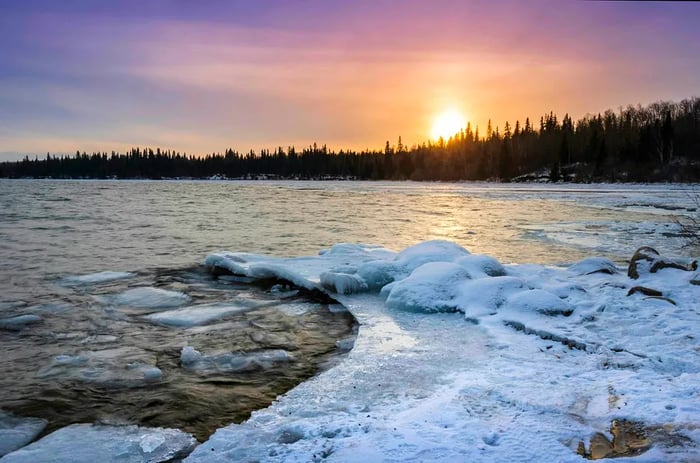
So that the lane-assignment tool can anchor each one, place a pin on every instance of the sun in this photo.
(447, 123)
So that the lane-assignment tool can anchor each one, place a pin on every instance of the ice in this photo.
(123, 366)
(432, 287)
(200, 314)
(150, 298)
(541, 359)
(229, 362)
(16, 432)
(19, 322)
(343, 283)
(97, 278)
(86, 443)
(538, 300)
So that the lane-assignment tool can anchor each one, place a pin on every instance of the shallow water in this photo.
(50, 230)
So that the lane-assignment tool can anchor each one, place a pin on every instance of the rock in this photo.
(593, 265)
(695, 279)
(648, 260)
(644, 290)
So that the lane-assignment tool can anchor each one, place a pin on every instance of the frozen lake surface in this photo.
(459, 357)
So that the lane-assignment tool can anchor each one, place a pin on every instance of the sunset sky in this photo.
(204, 76)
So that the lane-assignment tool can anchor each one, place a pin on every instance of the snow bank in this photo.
(85, 443)
(16, 432)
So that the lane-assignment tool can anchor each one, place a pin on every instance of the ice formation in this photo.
(532, 361)
(16, 432)
(85, 443)
(150, 298)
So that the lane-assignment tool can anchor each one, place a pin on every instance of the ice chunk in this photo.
(343, 283)
(147, 297)
(199, 314)
(19, 322)
(540, 301)
(16, 432)
(122, 366)
(432, 287)
(96, 278)
(86, 443)
(230, 362)
(430, 251)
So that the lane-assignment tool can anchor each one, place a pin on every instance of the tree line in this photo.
(658, 142)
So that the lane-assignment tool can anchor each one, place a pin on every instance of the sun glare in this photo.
(447, 123)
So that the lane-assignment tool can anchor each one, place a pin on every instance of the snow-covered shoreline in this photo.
(440, 387)
(461, 358)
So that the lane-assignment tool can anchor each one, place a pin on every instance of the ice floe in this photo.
(19, 322)
(16, 432)
(96, 278)
(86, 443)
(147, 297)
(231, 362)
(200, 314)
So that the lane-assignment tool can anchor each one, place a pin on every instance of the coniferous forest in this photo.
(658, 142)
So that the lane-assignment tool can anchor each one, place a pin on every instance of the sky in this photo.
(200, 77)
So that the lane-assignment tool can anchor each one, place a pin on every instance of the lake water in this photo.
(63, 368)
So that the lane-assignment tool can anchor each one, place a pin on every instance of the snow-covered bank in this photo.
(460, 359)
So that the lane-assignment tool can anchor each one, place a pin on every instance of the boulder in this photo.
(648, 260)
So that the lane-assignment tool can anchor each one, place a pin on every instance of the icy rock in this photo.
(480, 265)
(343, 283)
(150, 298)
(86, 443)
(648, 260)
(19, 322)
(432, 287)
(200, 314)
(430, 251)
(540, 301)
(592, 265)
(485, 296)
(230, 362)
(16, 432)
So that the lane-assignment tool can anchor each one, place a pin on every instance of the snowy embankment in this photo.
(461, 358)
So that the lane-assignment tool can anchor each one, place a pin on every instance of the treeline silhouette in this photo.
(658, 142)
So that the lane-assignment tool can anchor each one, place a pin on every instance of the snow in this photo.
(229, 362)
(85, 443)
(201, 314)
(16, 432)
(532, 361)
(149, 298)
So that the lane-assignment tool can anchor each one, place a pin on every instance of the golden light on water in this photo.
(447, 123)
